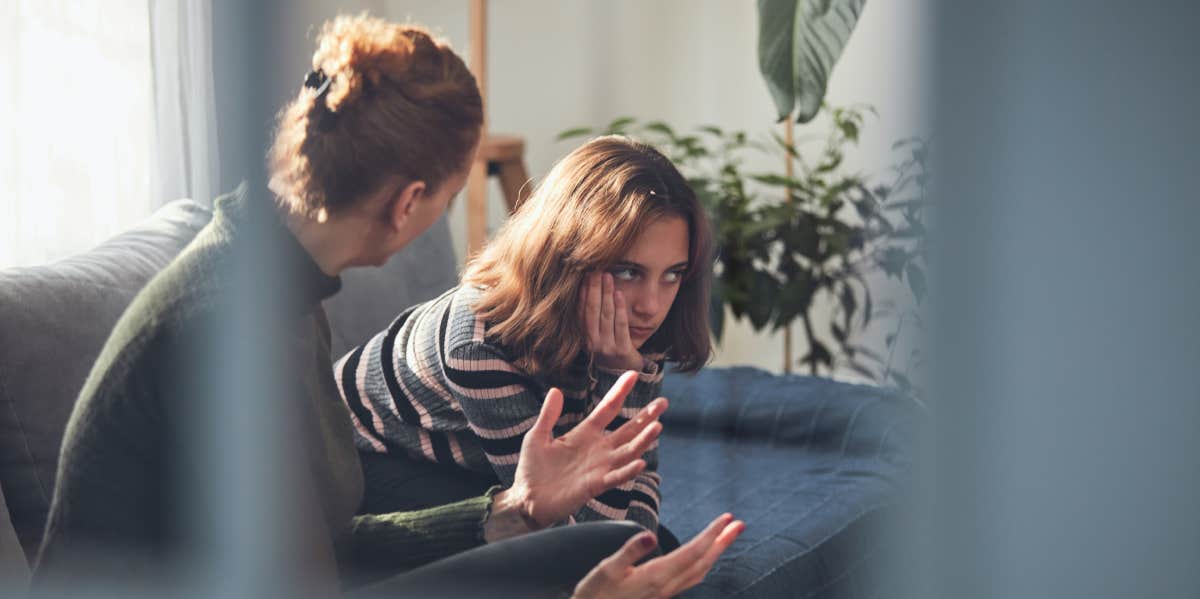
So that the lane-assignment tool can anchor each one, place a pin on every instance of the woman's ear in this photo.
(404, 201)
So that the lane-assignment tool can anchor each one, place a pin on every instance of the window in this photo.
(76, 125)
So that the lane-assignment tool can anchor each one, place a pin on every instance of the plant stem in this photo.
(808, 336)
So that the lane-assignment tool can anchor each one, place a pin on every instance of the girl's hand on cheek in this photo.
(607, 322)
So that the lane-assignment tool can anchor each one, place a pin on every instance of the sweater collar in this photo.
(250, 218)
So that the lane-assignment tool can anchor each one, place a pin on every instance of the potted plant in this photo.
(786, 243)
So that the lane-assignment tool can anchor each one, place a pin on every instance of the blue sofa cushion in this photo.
(813, 466)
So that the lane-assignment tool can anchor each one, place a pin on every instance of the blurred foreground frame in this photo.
(1067, 427)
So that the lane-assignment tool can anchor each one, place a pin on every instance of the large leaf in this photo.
(799, 42)
(716, 310)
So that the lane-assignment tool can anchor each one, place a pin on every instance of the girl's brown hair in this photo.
(583, 217)
(399, 102)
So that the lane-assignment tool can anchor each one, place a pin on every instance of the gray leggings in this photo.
(545, 564)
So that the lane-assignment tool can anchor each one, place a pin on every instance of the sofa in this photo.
(815, 467)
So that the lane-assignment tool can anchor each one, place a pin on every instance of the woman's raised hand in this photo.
(606, 319)
(666, 576)
(556, 476)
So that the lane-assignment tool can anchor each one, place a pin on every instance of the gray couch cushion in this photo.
(54, 319)
(372, 297)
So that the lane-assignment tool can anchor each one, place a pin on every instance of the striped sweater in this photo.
(434, 387)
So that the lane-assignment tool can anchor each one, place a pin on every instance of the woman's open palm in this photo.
(557, 476)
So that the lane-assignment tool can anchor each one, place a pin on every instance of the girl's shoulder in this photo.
(459, 322)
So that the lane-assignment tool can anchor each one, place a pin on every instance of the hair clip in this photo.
(318, 81)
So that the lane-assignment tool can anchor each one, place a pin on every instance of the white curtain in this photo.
(185, 150)
(106, 112)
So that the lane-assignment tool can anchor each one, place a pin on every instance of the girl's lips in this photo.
(641, 331)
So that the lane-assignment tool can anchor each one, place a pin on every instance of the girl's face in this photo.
(650, 273)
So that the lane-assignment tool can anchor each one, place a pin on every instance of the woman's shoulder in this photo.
(460, 323)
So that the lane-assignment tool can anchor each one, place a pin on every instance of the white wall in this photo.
(554, 65)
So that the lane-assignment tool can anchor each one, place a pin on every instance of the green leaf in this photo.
(832, 160)
(576, 132)
(849, 129)
(794, 299)
(817, 354)
(660, 127)
(764, 290)
(792, 183)
(867, 307)
(804, 238)
(865, 207)
(799, 42)
(762, 225)
(776, 20)
(849, 303)
(618, 125)
(716, 311)
(790, 149)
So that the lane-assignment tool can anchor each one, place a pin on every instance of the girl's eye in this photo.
(624, 274)
(673, 277)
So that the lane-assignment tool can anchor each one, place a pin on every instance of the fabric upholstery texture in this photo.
(813, 466)
(54, 319)
(372, 297)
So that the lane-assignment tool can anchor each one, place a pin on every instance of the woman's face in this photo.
(650, 273)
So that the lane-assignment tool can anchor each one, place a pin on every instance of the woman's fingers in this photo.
(675, 564)
(620, 322)
(608, 578)
(631, 429)
(607, 311)
(543, 427)
(593, 308)
(699, 569)
(633, 550)
(584, 312)
(639, 445)
(665, 576)
(610, 406)
(622, 475)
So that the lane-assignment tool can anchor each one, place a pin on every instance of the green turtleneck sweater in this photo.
(129, 477)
